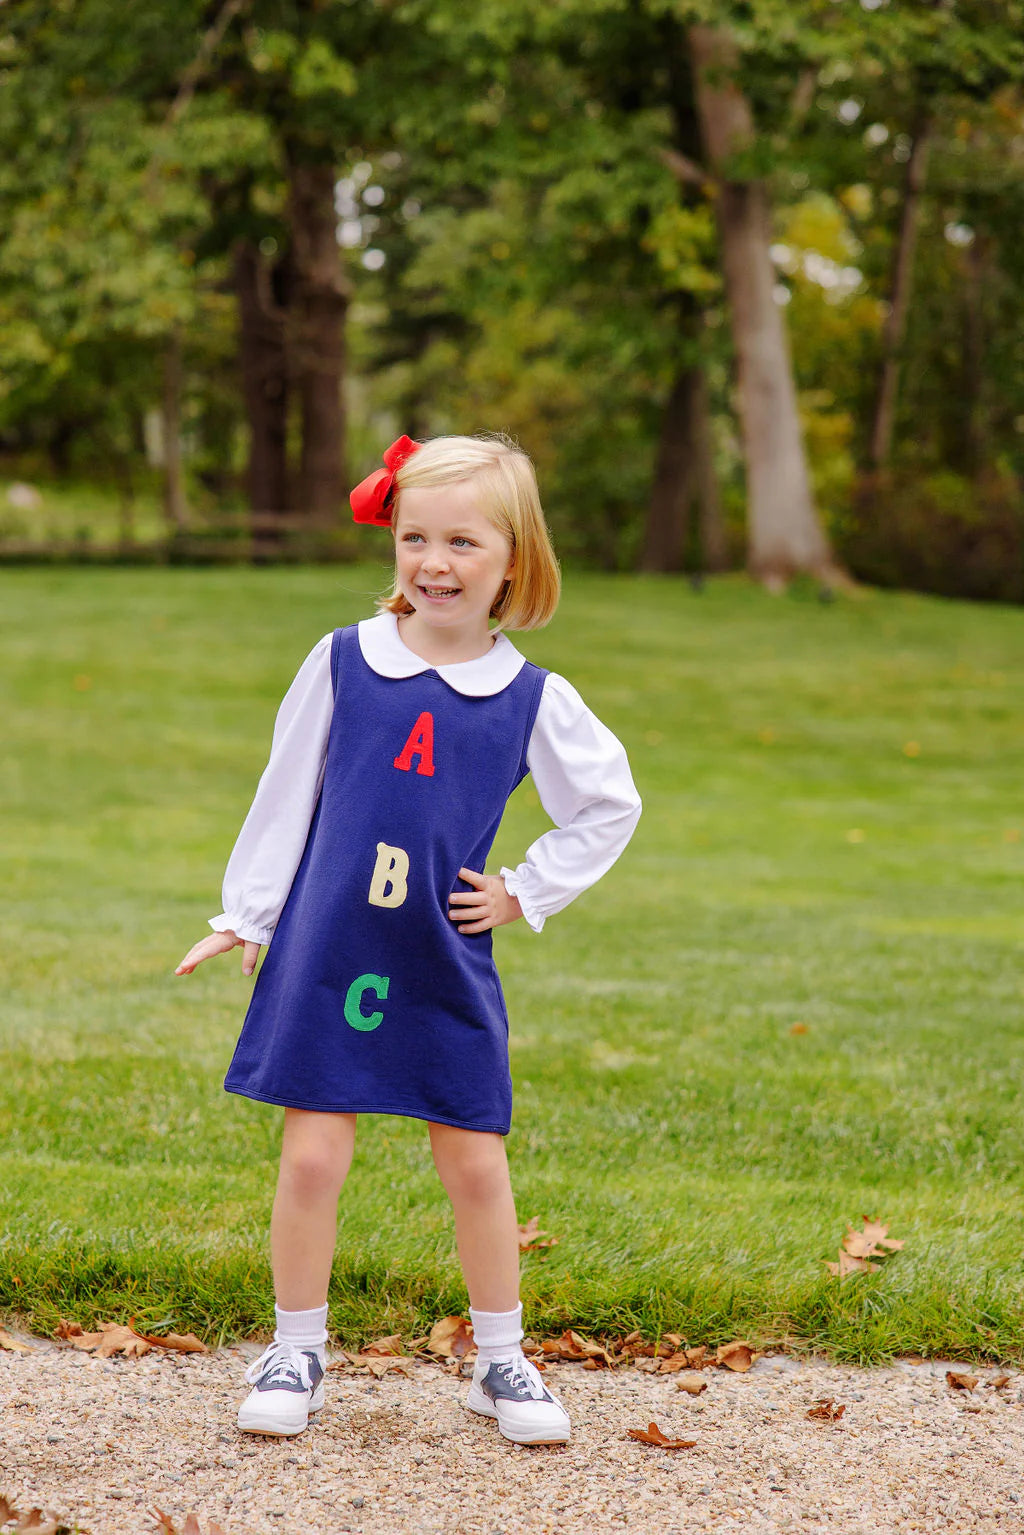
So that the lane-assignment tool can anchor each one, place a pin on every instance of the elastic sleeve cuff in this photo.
(514, 884)
(226, 923)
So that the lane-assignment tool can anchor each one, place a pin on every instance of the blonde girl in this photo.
(363, 858)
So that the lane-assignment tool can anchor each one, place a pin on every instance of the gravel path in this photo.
(100, 1442)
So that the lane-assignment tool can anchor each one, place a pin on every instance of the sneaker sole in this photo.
(276, 1430)
(476, 1401)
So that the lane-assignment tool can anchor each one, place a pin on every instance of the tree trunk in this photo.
(785, 535)
(318, 339)
(262, 294)
(711, 522)
(673, 487)
(685, 473)
(978, 445)
(901, 287)
(175, 508)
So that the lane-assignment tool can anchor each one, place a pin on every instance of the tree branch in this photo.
(684, 169)
(194, 72)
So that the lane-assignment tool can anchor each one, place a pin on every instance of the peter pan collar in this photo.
(387, 653)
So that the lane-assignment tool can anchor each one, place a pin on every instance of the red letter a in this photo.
(420, 744)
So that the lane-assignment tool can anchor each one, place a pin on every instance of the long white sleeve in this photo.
(269, 847)
(582, 776)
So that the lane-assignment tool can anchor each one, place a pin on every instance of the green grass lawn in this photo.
(833, 835)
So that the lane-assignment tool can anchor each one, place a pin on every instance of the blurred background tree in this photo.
(743, 278)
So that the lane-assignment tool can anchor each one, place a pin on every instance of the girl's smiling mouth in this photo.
(439, 593)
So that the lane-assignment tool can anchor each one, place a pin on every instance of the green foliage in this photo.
(543, 269)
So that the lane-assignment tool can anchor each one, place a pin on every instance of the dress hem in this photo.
(366, 1108)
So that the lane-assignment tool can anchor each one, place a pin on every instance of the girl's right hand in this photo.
(219, 943)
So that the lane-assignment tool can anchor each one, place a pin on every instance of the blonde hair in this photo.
(506, 486)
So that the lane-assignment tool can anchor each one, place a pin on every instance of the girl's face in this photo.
(451, 560)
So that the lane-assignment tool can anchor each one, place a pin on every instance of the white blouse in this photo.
(579, 769)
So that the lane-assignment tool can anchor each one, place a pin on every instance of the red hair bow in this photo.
(371, 499)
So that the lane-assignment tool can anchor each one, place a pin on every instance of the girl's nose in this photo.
(435, 559)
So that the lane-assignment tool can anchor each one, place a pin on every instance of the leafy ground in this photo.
(833, 836)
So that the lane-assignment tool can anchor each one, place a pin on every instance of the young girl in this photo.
(394, 752)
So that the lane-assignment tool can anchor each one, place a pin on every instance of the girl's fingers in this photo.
(467, 897)
(478, 927)
(250, 954)
(194, 957)
(479, 881)
(206, 948)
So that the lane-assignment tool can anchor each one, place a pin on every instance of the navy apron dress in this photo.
(369, 999)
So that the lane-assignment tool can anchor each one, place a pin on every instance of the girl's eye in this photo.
(461, 542)
(409, 538)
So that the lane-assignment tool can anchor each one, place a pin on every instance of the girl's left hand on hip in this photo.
(487, 905)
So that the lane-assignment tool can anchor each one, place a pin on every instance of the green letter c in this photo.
(354, 1015)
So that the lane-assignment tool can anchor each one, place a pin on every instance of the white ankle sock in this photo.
(497, 1334)
(306, 1329)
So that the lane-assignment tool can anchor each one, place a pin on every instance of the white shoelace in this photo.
(520, 1372)
(279, 1363)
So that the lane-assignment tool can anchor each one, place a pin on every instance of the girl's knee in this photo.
(311, 1173)
(471, 1164)
(315, 1157)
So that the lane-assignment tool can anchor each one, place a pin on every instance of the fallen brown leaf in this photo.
(14, 1345)
(112, 1338)
(389, 1345)
(377, 1364)
(695, 1357)
(117, 1339)
(167, 1526)
(652, 1435)
(827, 1411)
(998, 1382)
(798, 1028)
(35, 1522)
(692, 1382)
(530, 1236)
(641, 1350)
(880, 1234)
(735, 1356)
(956, 1380)
(66, 1329)
(7, 1511)
(676, 1361)
(571, 1345)
(180, 1343)
(848, 1264)
(451, 1337)
(860, 1245)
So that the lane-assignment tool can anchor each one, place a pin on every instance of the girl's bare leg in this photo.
(316, 1154)
(474, 1170)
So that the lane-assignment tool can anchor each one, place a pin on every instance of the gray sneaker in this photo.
(288, 1384)
(514, 1393)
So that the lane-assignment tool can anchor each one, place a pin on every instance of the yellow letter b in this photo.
(389, 886)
